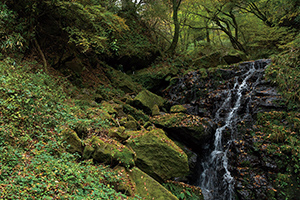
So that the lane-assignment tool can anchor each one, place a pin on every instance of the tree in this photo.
(175, 7)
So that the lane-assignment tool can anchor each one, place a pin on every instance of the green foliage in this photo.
(285, 73)
(34, 108)
(183, 191)
(278, 136)
(89, 26)
(11, 30)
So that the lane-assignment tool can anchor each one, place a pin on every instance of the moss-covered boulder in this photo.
(126, 186)
(72, 142)
(122, 81)
(148, 188)
(155, 110)
(191, 130)
(118, 133)
(110, 151)
(137, 114)
(178, 109)
(147, 100)
(157, 155)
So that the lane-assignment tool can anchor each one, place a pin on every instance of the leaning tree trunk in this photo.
(176, 4)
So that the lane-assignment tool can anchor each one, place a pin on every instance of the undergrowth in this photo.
(34, 109)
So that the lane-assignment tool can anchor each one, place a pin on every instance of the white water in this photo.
(216, 166)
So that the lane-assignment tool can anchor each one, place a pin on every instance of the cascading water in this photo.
(216, 181)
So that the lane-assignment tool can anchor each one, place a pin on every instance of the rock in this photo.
(191, 130)
(155, 110)
(110, 151)
(137, 114)
(234, 57)
(88, 152)
(178, 109)
(157, 155)
(72, 142)
(146, 100)
(126, 186)
(148, 188)
(109, 107)
(118, 133)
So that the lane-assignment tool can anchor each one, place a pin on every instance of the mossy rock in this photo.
(146, 100)
(118, 133)
(178, 109)
(148, 188)
(137, 114)
(131, 125)
(109, 107)
(126, 186)
(155, 110)
(191, 130)
(72, 142)
(122, 81)
(88, 152)
(112, 152)
(157, 155)
(98, 113)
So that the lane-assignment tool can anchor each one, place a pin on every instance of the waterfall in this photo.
(216, 181)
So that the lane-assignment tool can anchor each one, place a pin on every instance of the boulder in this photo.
(148, 188)
(191, 130)
(147, 100)
(109, 151)
(118, 133)
(157, 155)
(178, 109)
(72, 142)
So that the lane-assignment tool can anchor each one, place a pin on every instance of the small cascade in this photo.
(216, 181)
(227, 97)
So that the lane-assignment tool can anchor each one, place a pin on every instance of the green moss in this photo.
(72, 141)
(110, 151)
(277, 135)
(157, 155)
(146, 100)
(109, 107)
(178, 109)
(184, 191)
(195, 125)
(122, 81)
(155, 110)
(147, 188)
(118, 133)
(137, 114)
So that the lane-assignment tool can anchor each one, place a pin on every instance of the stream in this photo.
(226, 104)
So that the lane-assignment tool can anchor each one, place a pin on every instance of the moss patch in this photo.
(73, 142)
(157, 155)
(148, 188)
(146, 100)
(110, 151)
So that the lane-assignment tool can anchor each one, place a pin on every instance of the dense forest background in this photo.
(61, 59)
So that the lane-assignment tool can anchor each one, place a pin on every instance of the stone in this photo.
(72, 142)
(155, 110)
(157, 155)
(178, 109)
(118, 133)
(191, 130)
(148, 188)
(112, 152)
(146, 100)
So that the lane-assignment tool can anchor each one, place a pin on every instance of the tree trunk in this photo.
(176, 4)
